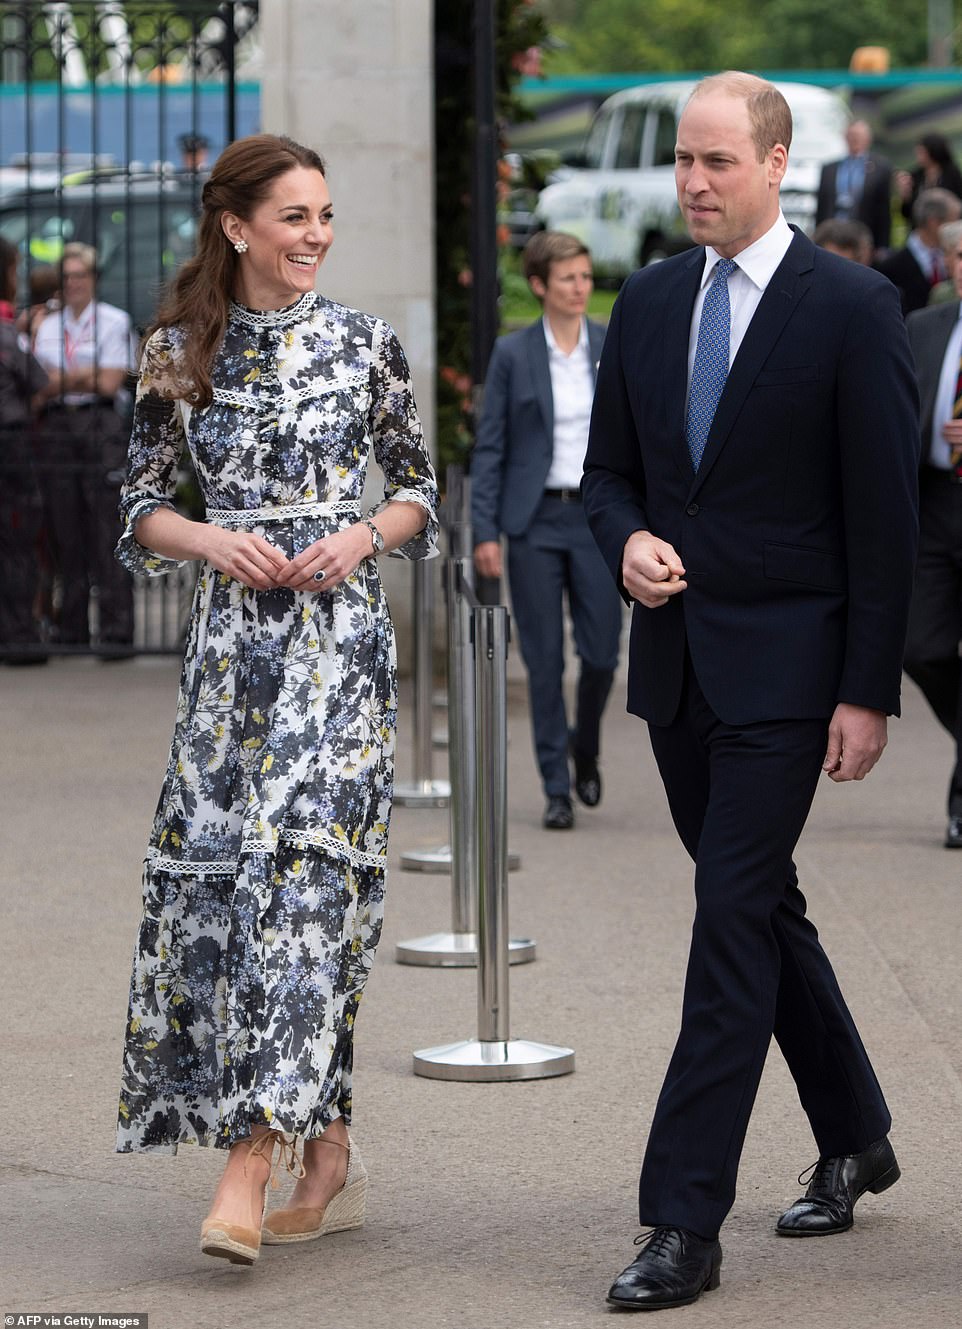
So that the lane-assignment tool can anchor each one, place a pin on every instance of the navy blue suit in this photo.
(551, 552)
(798, 535)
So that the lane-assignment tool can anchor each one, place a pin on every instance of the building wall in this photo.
(354, 80)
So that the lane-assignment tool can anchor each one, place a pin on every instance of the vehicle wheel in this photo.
(653, 249)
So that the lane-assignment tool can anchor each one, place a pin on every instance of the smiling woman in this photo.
(264, 879)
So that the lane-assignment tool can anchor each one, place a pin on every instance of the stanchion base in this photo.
(439, 860)
(424, 794)
(516, 1059)
(457, 950)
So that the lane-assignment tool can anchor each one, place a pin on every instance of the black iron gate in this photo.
(111, 112)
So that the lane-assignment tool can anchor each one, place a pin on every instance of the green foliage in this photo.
(672, 35)
(520, 26)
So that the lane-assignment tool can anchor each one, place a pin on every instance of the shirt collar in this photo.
(761, 259)
(553, 345)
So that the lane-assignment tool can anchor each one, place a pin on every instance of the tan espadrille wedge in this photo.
(231, 1241)
(343, 1213)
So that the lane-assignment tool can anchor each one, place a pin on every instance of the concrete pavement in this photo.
(491, 1206)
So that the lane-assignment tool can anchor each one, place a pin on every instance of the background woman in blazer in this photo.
(525, 477)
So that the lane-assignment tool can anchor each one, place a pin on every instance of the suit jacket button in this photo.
(692, 509)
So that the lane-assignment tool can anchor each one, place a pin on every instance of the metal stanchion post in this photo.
(458, 948)
(423, 791)
(460, 693)
(493, 1055)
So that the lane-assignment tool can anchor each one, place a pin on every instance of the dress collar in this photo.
(274, 318)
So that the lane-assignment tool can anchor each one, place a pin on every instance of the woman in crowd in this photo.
(936, 169)
(263, 884)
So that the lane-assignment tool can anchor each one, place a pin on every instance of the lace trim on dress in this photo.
(264, 405)
(274, 318)
(300, 839)
(282, 512)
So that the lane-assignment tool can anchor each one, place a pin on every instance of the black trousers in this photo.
(935, 620)
(83, 454)
(739, 797)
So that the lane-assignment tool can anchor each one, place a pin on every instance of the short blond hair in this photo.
(86, 254)
(769, 114)
(547, 247)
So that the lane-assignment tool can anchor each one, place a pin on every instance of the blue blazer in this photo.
(515, 436)
(798, 532)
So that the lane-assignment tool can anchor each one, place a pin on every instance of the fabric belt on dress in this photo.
(282, 512)
(566, 495)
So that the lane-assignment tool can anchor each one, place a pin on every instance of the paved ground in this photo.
(491, 1207)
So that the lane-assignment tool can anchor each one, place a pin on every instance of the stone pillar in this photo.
(354, 79)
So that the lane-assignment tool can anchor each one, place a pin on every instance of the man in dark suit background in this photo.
(935, 621)
(751, 481)
(919, 267)
(859, 187)
(525, 484)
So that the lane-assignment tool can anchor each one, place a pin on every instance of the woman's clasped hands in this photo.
(255, 562)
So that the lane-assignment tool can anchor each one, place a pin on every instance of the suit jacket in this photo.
(929, 331)
(515, 437)
(902, 269)
(874, 205)
(798, 531)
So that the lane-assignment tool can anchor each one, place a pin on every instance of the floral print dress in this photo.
(264, 876)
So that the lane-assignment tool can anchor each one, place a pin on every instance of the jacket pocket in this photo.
(810, 567)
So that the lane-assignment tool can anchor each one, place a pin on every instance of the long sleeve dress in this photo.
(264, 875)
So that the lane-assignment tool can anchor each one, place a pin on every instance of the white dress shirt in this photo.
(100, 336)
(572, 391)
(746, 286)
(939, 453)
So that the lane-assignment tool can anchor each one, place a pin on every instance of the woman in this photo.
(264, 875)
(21, 378)
(936, 170)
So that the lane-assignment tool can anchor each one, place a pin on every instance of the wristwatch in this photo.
(376, 537)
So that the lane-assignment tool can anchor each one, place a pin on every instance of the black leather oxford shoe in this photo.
(828, 1204)
(587, 776)
(558, 815)
(674, 1269)
(953, 833)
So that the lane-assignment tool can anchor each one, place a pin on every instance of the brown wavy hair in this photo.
(198, 298)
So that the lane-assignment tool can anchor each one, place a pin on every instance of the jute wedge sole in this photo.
(229, 1241)
(344, 1212)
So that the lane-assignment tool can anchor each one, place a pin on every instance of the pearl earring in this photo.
(241, 246)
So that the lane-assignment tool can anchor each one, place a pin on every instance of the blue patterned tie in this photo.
(711, 360)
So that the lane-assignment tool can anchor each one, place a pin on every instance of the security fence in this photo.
(110, 114)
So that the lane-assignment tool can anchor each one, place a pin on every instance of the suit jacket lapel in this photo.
(596, 341)
(541, 377)
(782, 295)
(929, 368)
(676, 331)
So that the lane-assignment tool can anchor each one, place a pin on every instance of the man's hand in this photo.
(487, 558)
(856, 740)
(651, 570)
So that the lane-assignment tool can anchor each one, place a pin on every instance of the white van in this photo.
(622, 203)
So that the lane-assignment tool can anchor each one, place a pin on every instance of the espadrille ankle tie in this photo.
(287, 1155)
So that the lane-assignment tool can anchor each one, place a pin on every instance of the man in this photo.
(87, 351)
(935, 622)
(750, 479)
(949, 236)
(848, 239)
(194, 153)
(920, 266)
(525, 477)
(859, 187)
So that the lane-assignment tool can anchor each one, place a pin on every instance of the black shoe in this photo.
(587, 779)
(827, 1206)
(558, 815)
(953, 833)
(674, 1269)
